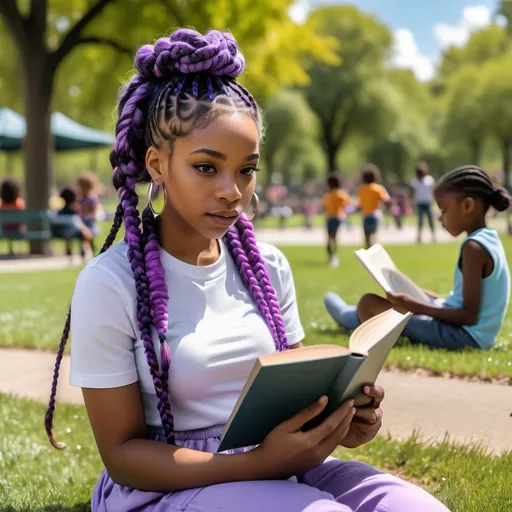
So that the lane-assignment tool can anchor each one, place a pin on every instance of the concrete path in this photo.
(469, 412)
(292, 236)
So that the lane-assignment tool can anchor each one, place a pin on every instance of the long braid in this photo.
(260, 271)
(236, 249)
(48, 418)
(131, 135)
(158, 300)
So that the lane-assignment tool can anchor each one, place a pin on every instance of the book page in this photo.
(376, 339)
(374, 260)
(400, 283)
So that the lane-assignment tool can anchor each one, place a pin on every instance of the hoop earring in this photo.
(252, 209)
(150, 195)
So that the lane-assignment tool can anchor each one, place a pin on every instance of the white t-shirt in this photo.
(423, 189)
(215, 332)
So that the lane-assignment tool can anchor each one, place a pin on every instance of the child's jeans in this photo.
(420, 329)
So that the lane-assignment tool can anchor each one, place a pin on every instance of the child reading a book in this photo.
(335, 201)
(370, 195)
(166, 324)
(473, 313)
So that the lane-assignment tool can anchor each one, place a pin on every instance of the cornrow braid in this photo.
(473, 181)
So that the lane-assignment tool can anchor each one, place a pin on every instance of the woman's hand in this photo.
(287, 451)
(367, 420)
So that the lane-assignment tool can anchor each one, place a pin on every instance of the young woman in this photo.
(167, 324)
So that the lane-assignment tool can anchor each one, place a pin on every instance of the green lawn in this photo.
(33, 305)
(35, 477)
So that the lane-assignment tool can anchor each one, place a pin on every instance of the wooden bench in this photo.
(29, 225)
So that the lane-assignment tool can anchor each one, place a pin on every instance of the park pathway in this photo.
(470, 412)
(291, 236)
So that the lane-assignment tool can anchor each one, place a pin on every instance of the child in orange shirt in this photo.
(370, 195)
(335, 201)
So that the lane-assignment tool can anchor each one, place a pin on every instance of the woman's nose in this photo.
(227, 188)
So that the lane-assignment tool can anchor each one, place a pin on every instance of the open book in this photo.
(283, 383)
(382, 268)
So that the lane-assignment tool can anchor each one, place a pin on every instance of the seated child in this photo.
(335, 201)
(90, 205)
(10, 199)
(473, 313)
(370, 195)
(75, 230)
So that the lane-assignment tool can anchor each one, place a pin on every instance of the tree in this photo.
(484, 45)
(466, 110)
(46, 35)
(288, 121)
(346, 96)
(497, 77)
(407, 135)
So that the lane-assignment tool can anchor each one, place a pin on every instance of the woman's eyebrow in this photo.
(222, 156)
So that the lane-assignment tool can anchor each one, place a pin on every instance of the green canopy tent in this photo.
(67, 134)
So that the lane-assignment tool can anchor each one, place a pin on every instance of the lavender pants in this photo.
(335, 486)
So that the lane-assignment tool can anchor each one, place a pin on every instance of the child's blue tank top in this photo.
(495, 290)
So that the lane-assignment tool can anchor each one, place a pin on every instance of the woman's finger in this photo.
(376, 392)
(367, 416)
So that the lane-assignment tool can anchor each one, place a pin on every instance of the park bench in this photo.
(29, 225)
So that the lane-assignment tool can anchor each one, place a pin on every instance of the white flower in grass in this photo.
(314, 325)
(408, 358)
(68, 431)
(489, 359)
(78, 447)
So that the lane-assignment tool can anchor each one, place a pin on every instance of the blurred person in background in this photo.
(370, 195)
(423, 186)
(335, 201)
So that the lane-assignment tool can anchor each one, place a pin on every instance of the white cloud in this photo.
(406, 54)
(298, 12)
(473, 18)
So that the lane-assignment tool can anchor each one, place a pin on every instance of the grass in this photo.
(35, 477)
(33, 305)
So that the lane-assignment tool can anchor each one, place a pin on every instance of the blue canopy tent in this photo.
(67, 134)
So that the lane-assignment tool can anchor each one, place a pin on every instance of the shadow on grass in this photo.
(79, 507)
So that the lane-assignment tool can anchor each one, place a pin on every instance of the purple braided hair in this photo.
(150, 112)
(237, 250)
(48, 419)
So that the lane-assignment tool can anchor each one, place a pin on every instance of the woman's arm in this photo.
(118, 423)
(474, 258)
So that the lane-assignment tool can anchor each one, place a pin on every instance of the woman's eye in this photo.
(205, 168)
(249, 171)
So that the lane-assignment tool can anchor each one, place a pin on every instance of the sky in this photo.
(422, 29)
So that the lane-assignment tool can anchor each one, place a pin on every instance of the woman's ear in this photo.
(154, 165)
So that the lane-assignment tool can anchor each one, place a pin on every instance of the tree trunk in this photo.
(38, 168)
(476, 152)
(505, 147)
(331, 150)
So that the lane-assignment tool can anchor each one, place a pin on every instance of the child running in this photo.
(370, 195)
(167, 324)
(473, 313)
(335, 201)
